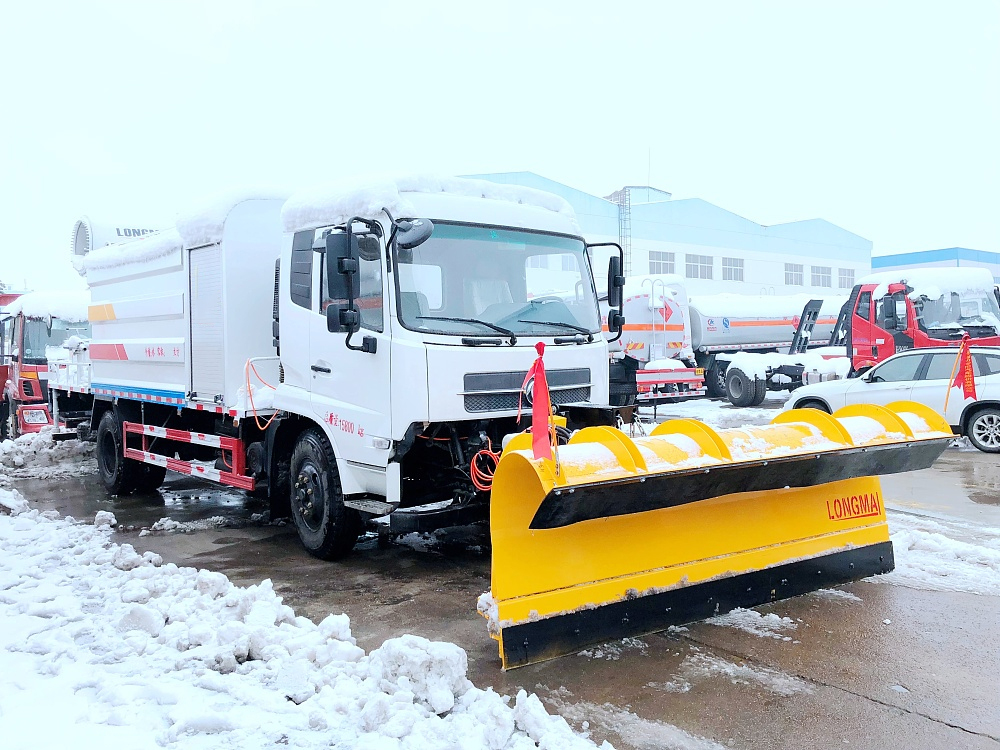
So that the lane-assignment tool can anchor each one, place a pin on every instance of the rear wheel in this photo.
(760, 392)
(327, 528)
(984, 430)
(10, 426)
(119, 475)
(813, 404)
(741, 388)
(149, 477)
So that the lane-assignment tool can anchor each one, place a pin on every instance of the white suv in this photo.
(921, 375)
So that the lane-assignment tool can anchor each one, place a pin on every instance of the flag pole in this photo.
(951, 380)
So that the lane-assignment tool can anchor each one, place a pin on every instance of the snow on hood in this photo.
(204, 225)
(65, 305)
(337, 202)
(933, 282)
(147, 248)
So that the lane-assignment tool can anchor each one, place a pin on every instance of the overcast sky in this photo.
(882, 117)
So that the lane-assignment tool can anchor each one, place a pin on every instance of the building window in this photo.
(698, 266)
(661, 262)
(732, 269)
(793, 274)
(537, 261)
(822, 276)
(845, 278)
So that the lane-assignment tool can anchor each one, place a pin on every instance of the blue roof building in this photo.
(949, 257)
(715, 249)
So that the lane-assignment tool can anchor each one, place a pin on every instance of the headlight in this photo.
(34, 416)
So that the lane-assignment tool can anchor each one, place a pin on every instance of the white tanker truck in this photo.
(723, 344)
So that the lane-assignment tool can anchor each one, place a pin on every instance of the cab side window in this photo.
(865, 305)
(369, 301)
(897, 370)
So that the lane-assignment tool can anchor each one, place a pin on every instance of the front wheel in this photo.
(740, 387)
(10, 425)
(327, 528)
(984, 430)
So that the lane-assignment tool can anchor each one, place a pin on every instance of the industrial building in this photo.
(714, 249)
(949, 257)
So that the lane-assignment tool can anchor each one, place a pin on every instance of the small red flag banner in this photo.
(965, 378)
(541, 407)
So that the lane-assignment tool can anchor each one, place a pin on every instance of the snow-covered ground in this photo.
(719, 413)
(37, 455)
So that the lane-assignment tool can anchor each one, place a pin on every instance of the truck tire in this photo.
(740, 388)
(984, 430)
(4, 420)
(760, 393)
(328, 530)
(715, 379)
(118, 474)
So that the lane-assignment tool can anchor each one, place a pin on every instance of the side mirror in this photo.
(616, 282)
(888, 321)
(343, 285)
(413, 232)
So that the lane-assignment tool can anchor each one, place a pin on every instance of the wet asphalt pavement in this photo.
(877, 666)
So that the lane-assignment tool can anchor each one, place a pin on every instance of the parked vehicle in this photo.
(37, 327)
(771, 337)
(893, 311)
(924, 376)
(349, 363)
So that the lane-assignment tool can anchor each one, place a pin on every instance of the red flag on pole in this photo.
(541, 408)
(965, 377)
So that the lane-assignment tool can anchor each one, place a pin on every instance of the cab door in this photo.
(861, 331)
(349, 390)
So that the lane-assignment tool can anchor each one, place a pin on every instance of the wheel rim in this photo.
(736, 388)
(986, 430)
(108, 454)
(307, 498)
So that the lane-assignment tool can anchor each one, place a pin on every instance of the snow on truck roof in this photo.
(65, 305)
(932, 282)
(337, 202)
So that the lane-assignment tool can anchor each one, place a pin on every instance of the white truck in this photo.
(683, 346)
(343, 360)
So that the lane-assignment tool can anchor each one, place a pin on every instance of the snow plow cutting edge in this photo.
(628, 537)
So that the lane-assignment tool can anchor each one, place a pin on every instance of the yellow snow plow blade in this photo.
(629, 536)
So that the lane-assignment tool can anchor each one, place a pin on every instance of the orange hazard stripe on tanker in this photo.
(782, 322)
(99, 313)
(649, 327)
(115, 352)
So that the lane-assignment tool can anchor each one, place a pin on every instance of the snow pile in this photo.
(664, 364)
(337, 202)
(753, 622)
(143, 250)
(700, 666)
(69, 305)
(139, 654)
(37, 455)
(943, 555)
(204, 225)
(12, 502)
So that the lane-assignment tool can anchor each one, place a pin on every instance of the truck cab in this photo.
(895, 311)
(30, 339)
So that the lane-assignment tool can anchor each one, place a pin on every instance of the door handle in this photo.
(318, 368)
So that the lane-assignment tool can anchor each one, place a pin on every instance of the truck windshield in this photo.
(952, 310)
(527, 283)
(43, 341)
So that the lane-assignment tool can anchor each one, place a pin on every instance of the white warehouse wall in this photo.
(696, 227)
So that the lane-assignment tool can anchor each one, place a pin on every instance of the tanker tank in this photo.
(721, 322)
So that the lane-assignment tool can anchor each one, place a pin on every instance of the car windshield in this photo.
(957, 310)
(43, 339)
(474, 280)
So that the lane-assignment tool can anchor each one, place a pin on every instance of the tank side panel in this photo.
(138, 313)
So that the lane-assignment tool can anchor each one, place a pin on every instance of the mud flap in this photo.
(628, 537)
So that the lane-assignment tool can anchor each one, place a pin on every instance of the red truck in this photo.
(892, 311)
(34, 328)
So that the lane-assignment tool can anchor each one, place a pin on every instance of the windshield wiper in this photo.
(571, 326)
(498, 329)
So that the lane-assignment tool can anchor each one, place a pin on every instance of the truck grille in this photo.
(499, 391)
